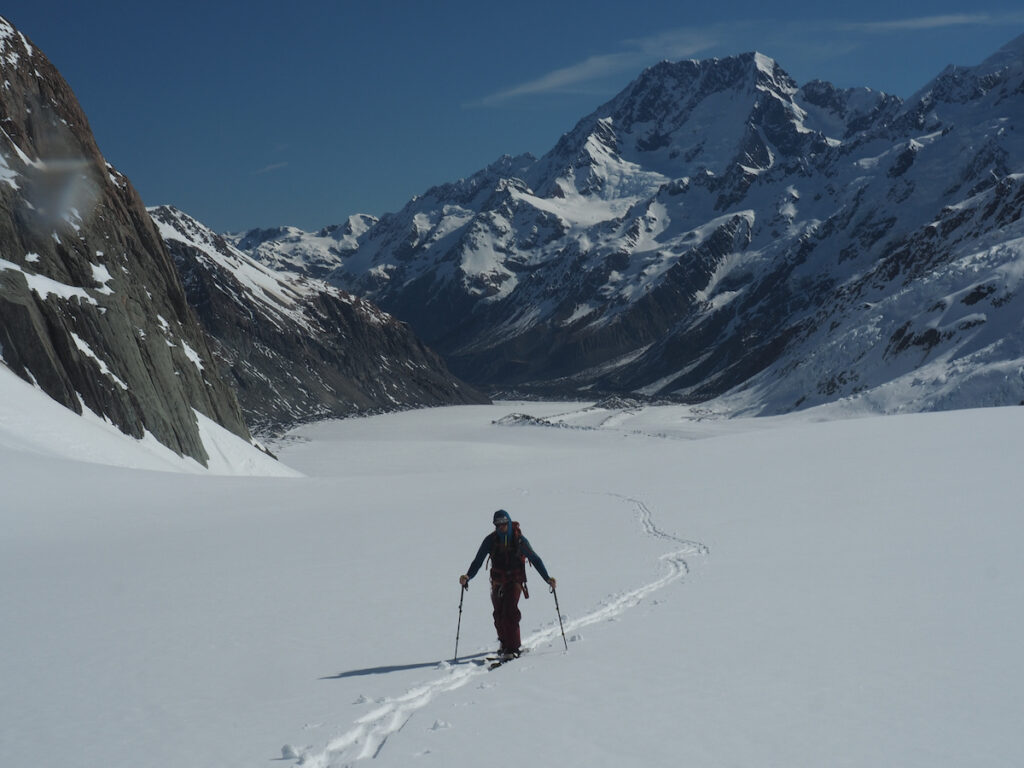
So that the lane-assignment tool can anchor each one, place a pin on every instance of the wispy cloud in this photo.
(928, 22)
(827, 37)
(568, 77)
(639, 52)
(270, 168)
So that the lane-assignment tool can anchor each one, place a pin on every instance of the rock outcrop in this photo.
(91, 307)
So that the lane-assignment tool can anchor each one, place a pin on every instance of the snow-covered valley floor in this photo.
(789, 591)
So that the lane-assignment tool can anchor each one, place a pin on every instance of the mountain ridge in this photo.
(295, 348)
(691, 235)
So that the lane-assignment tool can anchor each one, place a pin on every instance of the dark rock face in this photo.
(91, 308)
(295, 348)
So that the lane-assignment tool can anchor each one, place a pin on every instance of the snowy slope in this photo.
(33, 424)
(716, 227)
(279, 295)
(293, 250)
(776, 591)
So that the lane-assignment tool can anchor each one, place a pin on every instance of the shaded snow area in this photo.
(796, 591)
(31, 423)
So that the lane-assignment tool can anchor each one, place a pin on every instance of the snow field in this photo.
(773, 591)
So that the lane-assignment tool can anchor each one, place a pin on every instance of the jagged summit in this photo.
(664, 98)
(714, 228)
(960, 95)
(351, 230)
(291, 249)
(698, 78)
(660, 122)
(483, 181)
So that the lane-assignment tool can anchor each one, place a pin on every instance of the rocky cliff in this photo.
(91, 307)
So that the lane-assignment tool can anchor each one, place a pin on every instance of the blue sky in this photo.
(247, 114)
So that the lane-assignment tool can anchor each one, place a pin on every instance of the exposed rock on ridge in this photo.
(91, 308)
(296, 348)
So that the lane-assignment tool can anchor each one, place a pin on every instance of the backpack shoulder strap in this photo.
(517, 533)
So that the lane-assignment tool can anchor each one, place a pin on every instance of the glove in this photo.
(464, 581)
(551, 581)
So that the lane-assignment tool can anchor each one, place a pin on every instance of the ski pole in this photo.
(462, 594)
(559, 612)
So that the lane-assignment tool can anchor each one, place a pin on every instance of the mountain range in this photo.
(714, 232)
(718, 230)
(295, 348)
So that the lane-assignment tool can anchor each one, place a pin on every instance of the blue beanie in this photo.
(503, 538)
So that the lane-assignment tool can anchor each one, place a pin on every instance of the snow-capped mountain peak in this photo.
(715, 225)
(293, 250)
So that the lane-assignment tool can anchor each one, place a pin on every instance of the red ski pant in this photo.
(505, 599)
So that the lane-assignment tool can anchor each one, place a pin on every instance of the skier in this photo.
(509, 550)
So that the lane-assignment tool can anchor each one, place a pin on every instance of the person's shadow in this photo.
(467, 659)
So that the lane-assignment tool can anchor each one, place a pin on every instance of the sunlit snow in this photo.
(806, 590)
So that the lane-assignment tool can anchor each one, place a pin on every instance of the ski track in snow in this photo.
(372, 731)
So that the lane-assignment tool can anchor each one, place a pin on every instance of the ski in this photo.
(493, 662)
